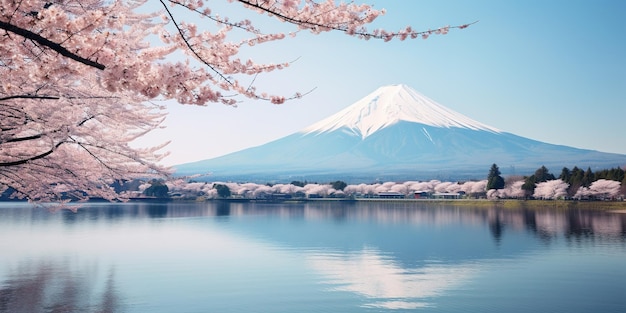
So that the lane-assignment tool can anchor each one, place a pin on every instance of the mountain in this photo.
(396, 133)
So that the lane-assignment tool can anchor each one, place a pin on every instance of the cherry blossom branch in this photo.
(245, 25)
(191, 48)
(349, 27)
(48, 43)
(26, 138)
(93, 155)
(29, 97)
(37, 97)
(33, 158)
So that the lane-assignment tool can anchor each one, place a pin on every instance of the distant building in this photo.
(391, 195)
(421, 195)
(447, 195)
(278, 196)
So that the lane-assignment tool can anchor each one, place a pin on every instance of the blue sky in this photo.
(553, 71)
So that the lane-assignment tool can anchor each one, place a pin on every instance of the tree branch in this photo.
(190, 47)
(27, 138)
(29, 97)
(33, 158)
(50, 44)
(247, 27)
(43, 97)
(344, 29)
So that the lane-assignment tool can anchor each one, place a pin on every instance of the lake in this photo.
(310, 257)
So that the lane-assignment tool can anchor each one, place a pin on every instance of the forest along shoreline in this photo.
(615, 205)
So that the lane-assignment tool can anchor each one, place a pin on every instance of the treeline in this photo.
(542, 184)
(576, 178)
(570, 183)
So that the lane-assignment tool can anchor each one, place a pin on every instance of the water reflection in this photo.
(222, 208)
(384, 282)
(218, 256)
(545, 224)
(549, 224)
(58, 286)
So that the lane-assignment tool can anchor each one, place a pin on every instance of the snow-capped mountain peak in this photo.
(387, 106)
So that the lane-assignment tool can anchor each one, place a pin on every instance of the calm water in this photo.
(314, 257)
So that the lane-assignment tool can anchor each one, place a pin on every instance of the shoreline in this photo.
(613, 206)
(616, 206)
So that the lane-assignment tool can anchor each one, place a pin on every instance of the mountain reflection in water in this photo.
(380, 278)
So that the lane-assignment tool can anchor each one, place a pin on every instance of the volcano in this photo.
(396, 133)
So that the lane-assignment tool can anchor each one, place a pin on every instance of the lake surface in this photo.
(311, 257)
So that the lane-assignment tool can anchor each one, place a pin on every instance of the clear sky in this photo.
(553, 71)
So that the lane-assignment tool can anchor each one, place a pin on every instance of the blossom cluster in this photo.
(117, 37)
(552, 189)
(253, 190)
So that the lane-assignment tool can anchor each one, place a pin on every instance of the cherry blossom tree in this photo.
(70, 139)
(474, 187)
(79, 77)
(601, 188)
(551, 189)
(511, 190)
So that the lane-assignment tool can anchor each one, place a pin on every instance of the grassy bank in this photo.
(473, 203)
(530, 204)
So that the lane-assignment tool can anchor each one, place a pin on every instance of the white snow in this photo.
(389, 105)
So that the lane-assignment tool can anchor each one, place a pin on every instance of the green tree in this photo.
(157, 189)
(529, 185)
(566, 174)
(577, 175)
(616, 174)
(298, 183)
(542, 174)
(222, 190)
(575, 181)
(494, 180)
(620, 174)
(588, 177)
(338, 185)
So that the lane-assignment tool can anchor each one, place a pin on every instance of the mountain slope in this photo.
(396, 133)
